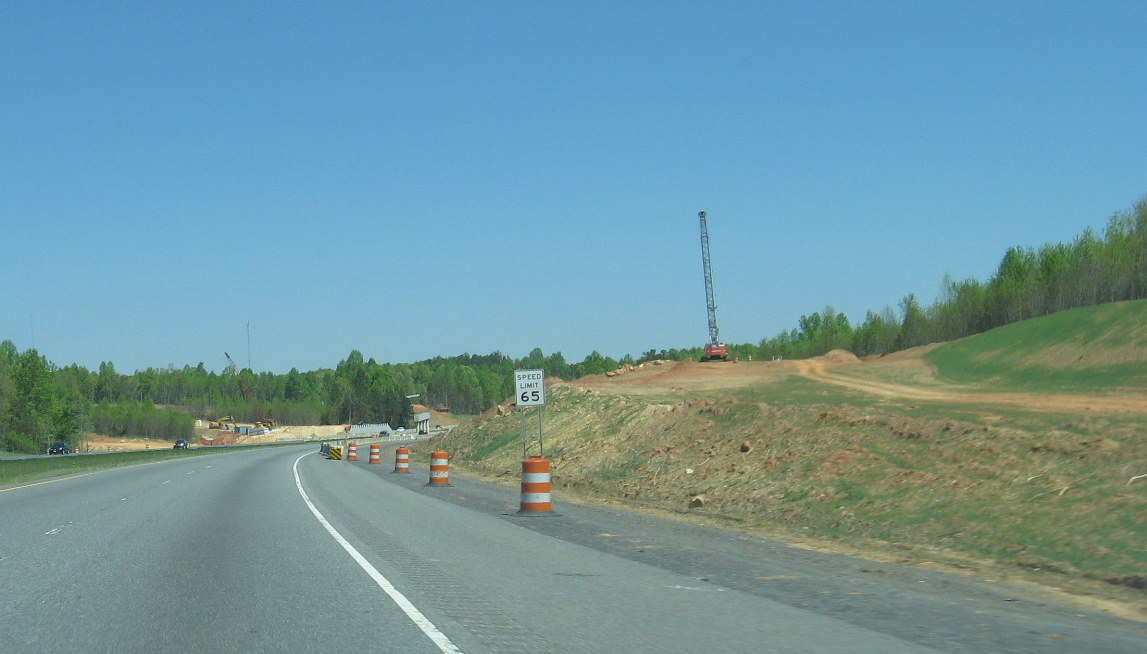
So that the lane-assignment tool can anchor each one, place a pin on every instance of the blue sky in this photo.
(413, 179)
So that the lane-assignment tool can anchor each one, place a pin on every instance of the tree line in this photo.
(41, 403)
(1028, 283)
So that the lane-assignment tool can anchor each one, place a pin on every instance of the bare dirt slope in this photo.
(833, 368)
(100, 443)
(927, 472)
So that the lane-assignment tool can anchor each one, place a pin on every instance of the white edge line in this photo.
(421, 621)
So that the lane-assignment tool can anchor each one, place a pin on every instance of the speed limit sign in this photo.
(530, 387)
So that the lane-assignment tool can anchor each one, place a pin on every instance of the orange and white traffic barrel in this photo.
(375, 453)
(402, 460)
(439, 469)
(352, 451)
(536, 487)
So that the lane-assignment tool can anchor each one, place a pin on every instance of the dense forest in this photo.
(41, 403)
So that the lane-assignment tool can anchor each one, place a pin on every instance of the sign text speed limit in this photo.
(530, 387)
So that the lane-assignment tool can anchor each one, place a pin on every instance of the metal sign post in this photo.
(530, 390)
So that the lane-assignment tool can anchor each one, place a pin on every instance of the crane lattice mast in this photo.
(710, 301)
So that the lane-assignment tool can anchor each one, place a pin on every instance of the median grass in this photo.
(25, 470)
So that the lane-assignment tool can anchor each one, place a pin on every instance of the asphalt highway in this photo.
(281, 550)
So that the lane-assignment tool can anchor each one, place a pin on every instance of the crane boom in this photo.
(715, 349)
(247, 394)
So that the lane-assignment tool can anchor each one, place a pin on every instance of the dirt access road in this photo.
(846, 370)
(100, 443)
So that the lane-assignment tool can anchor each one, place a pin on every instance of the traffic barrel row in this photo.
(536, 492)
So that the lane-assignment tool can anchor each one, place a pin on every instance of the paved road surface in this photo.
(281, 550)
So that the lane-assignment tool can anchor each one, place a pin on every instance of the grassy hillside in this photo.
(1044, 495)
(1090, 350)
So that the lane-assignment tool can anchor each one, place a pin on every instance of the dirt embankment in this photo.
(833, 368)
(100, 443)
(822, 370)
(719, 442)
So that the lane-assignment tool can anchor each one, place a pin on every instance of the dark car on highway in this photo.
(181, 444)
(59, 447)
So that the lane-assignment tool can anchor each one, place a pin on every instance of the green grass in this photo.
(1090, 350)
(622, 469)
(800, 391)
(25, 470)
(496, 443)
(894, 459)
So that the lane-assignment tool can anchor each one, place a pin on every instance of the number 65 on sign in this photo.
(530, 387)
